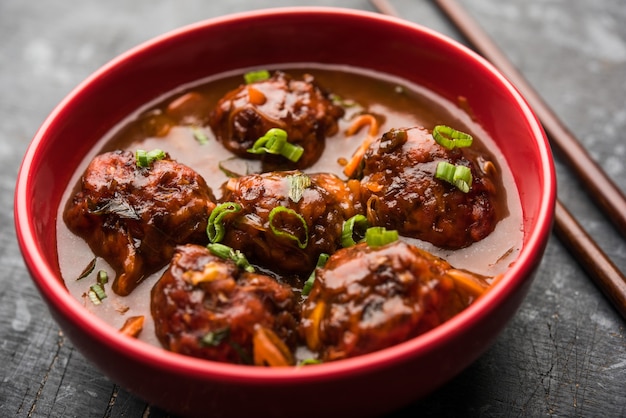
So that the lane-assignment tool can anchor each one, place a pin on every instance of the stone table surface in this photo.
(563, 354)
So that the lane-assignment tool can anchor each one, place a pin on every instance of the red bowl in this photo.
(367, 385)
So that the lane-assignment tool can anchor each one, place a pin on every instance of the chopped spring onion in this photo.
(227, 253)
(308, 285)
(297, 184)
(93, 297)
(354, 230)
(275, 142)
(254, 76)
(199, 135)
(215, 338)
(103, 277)
(377, 236)
(309, 362)
(278, 230)
(457, 175)
(215, 227)
(98, 289)
(451, 138)
(145, 158)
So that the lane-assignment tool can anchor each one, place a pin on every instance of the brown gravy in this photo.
(401, 103)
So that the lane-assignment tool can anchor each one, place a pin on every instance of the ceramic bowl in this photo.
(371, 384)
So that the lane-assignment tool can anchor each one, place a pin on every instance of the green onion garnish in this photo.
(227, 253)
(275, 142)
(145, 158)
(199, 135)
(297, 184)
(93, 297)
(457, 175)
(98, 290)
(103, 277)
(309, 362)
(215, 338)
(451, 138)
(377, 236)
(215, 227)
(354, 230)
(278, 230)
(308, 285)
(254, 76)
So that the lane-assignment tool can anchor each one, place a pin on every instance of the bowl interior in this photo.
(260, 39)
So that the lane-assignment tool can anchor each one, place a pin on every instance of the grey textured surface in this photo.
(564, 354)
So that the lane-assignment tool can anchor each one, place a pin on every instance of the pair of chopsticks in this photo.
(605, 193)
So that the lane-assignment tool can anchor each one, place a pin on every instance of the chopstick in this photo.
(594, 261)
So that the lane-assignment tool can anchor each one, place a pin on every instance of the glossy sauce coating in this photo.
(175, 124)
(133, 217)
(368, 298)
(297, 106)
(312, 220)
(204, 306)
(400, 191)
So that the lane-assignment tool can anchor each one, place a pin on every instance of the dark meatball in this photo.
(400, 191)
(207, 307)
(299, 107)
(287, 219)
(365, 299)
(133, 217)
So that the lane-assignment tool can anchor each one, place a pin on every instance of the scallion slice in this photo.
(308, 285)
(377, 236)
(279, 230)
(215, 227)
(297, 184)
(275, 142)
(309, 362)
(354, 230)
(93, 297)
(145, 158)
(457, 175)
(199, 135)
(98, 290)
(103, 277)
(215, 338)
(254, 76)
(227, 253)
(450, 138)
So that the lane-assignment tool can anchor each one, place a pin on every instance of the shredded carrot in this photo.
(184, 105)
(467, 282)
(312, 333)
(212, 271)
(269, 350)
(133, 326)
(357, 157)
(256, 96)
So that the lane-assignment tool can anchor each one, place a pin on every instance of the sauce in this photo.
(396, 102)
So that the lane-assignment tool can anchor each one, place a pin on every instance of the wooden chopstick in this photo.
(595, 262)
(600, 268)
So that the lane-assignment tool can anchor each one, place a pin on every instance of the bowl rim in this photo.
(56, 294)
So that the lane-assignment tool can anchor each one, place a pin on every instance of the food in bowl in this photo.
(251, 230)
(79, 127)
